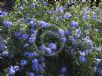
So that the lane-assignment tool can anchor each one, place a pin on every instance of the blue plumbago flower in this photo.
(41, 67)
(61, 32)
(73, 1)
(63, 39)
(16, 68)
(35, 67)
(60, 9)
(35, 61)
(32, 38)
(33, 5)
(78, 30)
(26, 20)
(3, 13)
(32, 22)
(82, 53)
(63, 70)
(94, 17)
(48, 50)
(45, 3)
(67, 15)
(26, 45)
(26, 53)
(67, 32)
(84, 1)
(82, 59)
(23, 62)
(72, 39)
(5, 53)
(96, 30)
(11, 70)
(87, 10)
(32, 30)
(99, 48)
(73, 24)
(35, 54)
(2, 44)
(42, 47)
(30, 54)
(7, 23)
(18, 34)
(42, 59)
(25, 36)
(84, 17)
(98, 60)
(52, 46)
(31, 74)
(42, 24)
(100, 72)
(21, 8)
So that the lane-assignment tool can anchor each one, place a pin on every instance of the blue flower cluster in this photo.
(33, 39)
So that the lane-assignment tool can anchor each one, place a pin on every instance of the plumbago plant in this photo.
(37, 39)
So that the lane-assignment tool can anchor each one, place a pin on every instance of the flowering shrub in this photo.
(37, 39)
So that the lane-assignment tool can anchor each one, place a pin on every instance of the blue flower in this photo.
(63, 70)
(32, 22)
(45, 3)
(3, 13)
(59, 9)
(35, 61)
(82, 58)
(32, 30)
(83, 53)
(33, 5)
(84, 1)
(7, 23)
(30, 54)
(73, 24)
(41, 67)
(52, 46)
(84, 17)
(67, 15)
(100, 72)
(31, 74)
(73, 1)
(61, 32)
(26, 45)
(16, 68)
(67, 32)
(11, 70)
(21, 8)
(48, 50)
(42, 47)
(24, 1)
(72, 39)
(23, 62)
(5, 53)
(42, 24)
(35, 54)
(42, 59)
(18, 34)
(63, 39)
(35, 67)
(25, 36)
(32, 38)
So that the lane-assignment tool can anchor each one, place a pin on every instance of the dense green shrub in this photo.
(41, 39)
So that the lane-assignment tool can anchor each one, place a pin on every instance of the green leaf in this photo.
(18, 1)
(46, 0)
